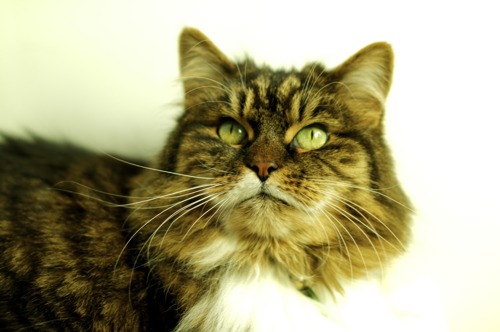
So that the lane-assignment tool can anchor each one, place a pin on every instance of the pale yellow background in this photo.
(103, 73)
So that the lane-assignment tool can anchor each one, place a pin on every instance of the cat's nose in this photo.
(264, 168)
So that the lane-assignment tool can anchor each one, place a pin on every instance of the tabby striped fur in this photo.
(223, 241)
(258, 233)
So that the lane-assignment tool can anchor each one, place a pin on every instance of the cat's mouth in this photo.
(251, 192)
(269, 194)
(267, 197)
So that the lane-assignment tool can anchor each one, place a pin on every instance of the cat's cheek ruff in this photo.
(258, 300)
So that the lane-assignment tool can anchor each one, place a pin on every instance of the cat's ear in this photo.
(365, 79)
(202, 64)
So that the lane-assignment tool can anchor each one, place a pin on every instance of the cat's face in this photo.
(293, 155)
(279, 152)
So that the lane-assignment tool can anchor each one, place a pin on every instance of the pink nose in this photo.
(264, 168)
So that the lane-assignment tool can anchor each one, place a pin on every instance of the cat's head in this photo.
(297, 155)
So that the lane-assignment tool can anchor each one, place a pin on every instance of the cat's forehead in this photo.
(282, 84)
(287, 96)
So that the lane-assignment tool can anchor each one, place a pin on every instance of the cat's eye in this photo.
(310, 138)
(232, 132)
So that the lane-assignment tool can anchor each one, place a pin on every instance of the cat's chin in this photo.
(263, 215)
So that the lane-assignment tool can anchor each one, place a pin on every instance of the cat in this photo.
(274, 191)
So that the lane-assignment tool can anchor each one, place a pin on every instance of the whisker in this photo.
(184, 192)
(342, 239)
(221, 206)
(309, 87)
(147, 244)
(327, 85)
(316, 219)
(167, 208)
(178, 215)
(242, 80)
(222, 86)
(307, 83)
(349, 217)
(142, 200)
(202, 164)
(206, 87)
(202, 215)
(373, 191)
(91, 189)
(158, 170)
(357, 207)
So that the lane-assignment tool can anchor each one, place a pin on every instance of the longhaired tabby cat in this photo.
(274, 191)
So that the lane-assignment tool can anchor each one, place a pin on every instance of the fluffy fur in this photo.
(258, 234)
(322, 216)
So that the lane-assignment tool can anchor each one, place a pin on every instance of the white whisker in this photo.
(165, 209)
(178, 215)
(357, 207)
(308, 86)
(202, 215)
(213, 168)
(316, 219)
(242, 79)
(350, 217)
(341, 238)
(147, 243)
(159, 170)
(352, 186)
(206, 87)
(354, 206)
(141, 200)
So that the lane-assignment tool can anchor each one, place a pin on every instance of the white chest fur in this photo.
(262, 300)
(267, 301)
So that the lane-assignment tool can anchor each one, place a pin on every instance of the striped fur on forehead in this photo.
(293, 96)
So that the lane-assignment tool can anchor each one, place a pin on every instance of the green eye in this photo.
(310, 138)
(232, 132)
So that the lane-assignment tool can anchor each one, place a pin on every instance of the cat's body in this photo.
(61, 263)
(274, 188)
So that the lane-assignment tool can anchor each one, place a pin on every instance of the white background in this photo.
(103, 74)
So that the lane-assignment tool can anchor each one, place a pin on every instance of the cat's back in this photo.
(48, 183)
(64, 263)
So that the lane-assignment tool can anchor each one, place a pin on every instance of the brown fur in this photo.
(346, 215)
(61, 267)
(273, 106)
